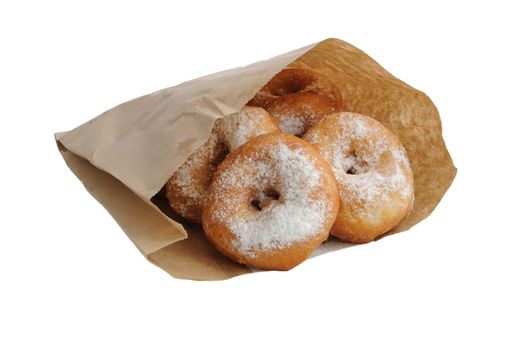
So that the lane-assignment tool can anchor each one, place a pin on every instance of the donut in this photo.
(271, 202)
(372, 171)
(298, 98)
(187, 187)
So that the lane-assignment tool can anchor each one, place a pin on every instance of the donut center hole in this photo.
(272, 194)
(265, 199)
(352, 170)
(294, 87)
(290, 87)
(354, 165)
(256, 204)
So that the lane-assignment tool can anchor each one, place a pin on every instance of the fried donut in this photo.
(298, 98)
(373, 173)
(186, 189)
(271, 202)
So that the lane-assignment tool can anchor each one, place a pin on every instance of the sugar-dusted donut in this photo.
(271, 202)
(298, 98)
(186, 189)
(373, 173)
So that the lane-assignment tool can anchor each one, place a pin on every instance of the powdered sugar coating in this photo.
(291, 124)
(236, 129)
(369, 184)
(370, 165)
(299, 213)
(187, 188)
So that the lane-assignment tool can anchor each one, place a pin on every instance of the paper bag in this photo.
(126, 155)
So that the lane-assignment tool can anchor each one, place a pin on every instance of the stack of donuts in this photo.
(275, 179)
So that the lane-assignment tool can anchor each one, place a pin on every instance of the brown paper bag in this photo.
(126, 155)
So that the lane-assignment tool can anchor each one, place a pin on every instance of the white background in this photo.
(70, 279)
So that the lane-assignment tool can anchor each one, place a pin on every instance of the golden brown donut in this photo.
(271, 202)
(373, 173)
(186, 189)
(298, 98)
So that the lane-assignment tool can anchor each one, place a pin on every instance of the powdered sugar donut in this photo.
(373, 173)
(271, 202)
(298, 98)
(187, 188)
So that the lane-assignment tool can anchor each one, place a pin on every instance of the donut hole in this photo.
(272, 194)
(265, 199)
(256, 204)
(354, 165)
(291, 85)
(356, 169)
(352, 171)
